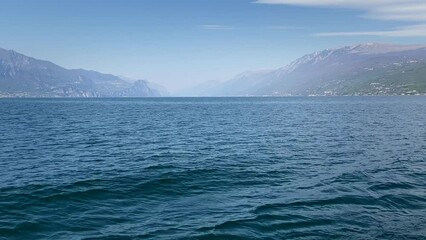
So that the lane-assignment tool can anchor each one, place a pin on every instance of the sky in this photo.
(182, 43)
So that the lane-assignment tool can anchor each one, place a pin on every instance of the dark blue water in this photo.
(219, 168)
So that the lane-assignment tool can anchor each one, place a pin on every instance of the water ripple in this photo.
(220, 168)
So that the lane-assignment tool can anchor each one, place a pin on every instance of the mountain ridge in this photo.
(24, 76)
(339, 71)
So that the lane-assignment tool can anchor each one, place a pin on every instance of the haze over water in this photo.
(213, 168)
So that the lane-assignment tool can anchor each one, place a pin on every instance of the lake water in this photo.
(213, 168)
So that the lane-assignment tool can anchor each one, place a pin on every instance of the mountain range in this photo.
(23, 76)
(364, 69)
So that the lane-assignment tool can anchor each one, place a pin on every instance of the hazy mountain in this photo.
(208, 88)
(22, 76)
(162, 91)
(365, 69)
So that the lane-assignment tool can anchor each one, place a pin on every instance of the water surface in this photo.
(213, 168)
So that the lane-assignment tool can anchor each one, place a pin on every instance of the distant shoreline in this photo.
(318, 96)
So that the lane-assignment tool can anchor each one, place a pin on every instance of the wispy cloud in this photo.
(413, 11)
(216, 27)
(408, 10)
(406, 31)
(284, 27)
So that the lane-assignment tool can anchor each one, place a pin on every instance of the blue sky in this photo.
(181, 43)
